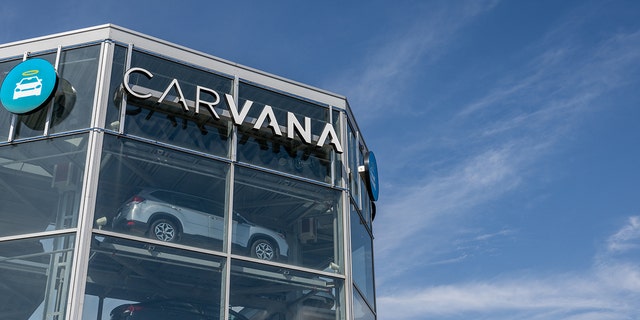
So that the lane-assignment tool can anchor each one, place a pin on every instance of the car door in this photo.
(195, 222)
(216, 219)
(241, 230)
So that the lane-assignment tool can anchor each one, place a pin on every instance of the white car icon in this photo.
(27, 87)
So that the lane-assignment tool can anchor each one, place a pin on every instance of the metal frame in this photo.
(109, 36)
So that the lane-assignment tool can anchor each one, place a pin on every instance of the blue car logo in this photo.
(28, 86)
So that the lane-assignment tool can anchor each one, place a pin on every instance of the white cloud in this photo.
(537, 104)
(564, 75)
(497, 140)
(488, 236)
(627, 238)
(608, 290)
(418, 211)
(565, 296)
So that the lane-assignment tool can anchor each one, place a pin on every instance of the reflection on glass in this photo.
(367, 206)
(360, 309)
(5, 116)
(339, 166)
(354, 177)
(133, 280)
(5, 124)
(287, 214)
(78, 72)
(163, 194)
(40, 184)
(264, 148)
(34, 277)
(115, 93)
(264, 292)
(362, 256)
(167, 121)
(73, 101)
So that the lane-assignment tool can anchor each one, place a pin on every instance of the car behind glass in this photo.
(169, 310)
(171, 216)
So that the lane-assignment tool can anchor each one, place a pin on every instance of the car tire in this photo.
(164, 230)
(263, 249)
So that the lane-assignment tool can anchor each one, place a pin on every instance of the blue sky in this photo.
(507, 135)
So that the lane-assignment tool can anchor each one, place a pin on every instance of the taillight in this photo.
(137, 199)
(131, 309)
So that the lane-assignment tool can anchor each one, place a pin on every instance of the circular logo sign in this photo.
(372, 172)
(28, 86)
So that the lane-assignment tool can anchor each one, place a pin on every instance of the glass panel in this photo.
(338, 165)
(78, 71)
(32, 124)
(273, 293)
(360, 184)
(133, 280)
(354, 177)
(34, 277)
(115, 88)
(362, 256)
(167, 121)
(361, 310)
(167, 195)
(5, 116)
(264, 148)
(40, 184)
(366, 206)
(277, 218)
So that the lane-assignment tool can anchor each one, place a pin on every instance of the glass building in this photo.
(158, 182)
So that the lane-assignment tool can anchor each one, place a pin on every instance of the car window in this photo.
(187, 201)
(212, 207)
(239, 218)
(162, 195)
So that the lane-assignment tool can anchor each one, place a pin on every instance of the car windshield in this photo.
(28, 80)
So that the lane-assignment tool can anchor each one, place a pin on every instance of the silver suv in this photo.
(168, 216)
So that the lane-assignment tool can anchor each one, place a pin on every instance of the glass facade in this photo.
(161, 183)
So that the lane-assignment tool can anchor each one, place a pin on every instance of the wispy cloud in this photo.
(499, 138)
(537, 104)
(566, 74)
(605, 291)
(377, 81)
(565, 297)
(419, 212)
(488, 236)
(628, 238)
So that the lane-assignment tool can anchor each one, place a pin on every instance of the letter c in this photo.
(125, 82)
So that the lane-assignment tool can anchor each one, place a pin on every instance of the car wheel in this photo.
(164, 230)
(263, 249)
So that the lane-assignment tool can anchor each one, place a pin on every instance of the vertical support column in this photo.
(57, 290)
(346, 224)
(123, 102)
(226, 278)
(89, 186)
(229, 195)
(333, 152)
(234, 129)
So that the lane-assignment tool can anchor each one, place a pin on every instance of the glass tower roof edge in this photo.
(123, 35)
